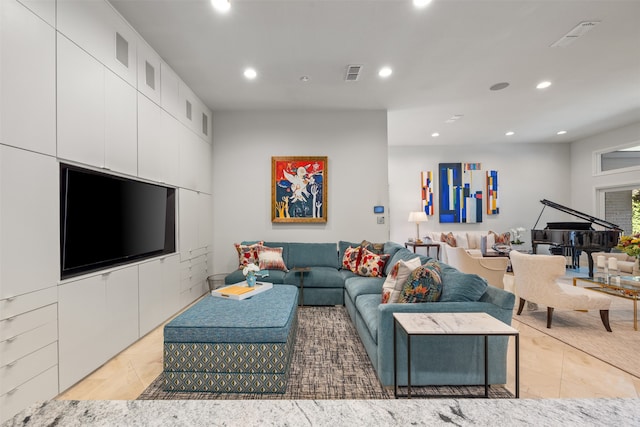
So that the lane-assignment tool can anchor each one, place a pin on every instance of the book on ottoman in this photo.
(240, 291)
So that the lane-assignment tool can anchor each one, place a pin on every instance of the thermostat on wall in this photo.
(378, 209)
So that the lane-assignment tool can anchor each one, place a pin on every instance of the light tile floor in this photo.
(548, 369)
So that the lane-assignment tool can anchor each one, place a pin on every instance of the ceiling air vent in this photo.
(576, 32)
(353, 73)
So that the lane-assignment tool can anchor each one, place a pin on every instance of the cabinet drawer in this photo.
(22, 323)
(20, 345)
(42, 387)
(28, 367)
(10, 307)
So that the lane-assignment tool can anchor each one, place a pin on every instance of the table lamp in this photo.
(418, 217)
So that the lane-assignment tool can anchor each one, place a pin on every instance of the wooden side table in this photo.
(460, 324)
(415, 245)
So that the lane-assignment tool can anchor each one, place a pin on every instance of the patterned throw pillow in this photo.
(350, 259)
(376, 248)
(247, 254)
(502, 239)
(423, 285)
(449, 239)
(271, 259)
(396, 279)
(372, 265)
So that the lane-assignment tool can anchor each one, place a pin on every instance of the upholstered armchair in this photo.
(536, 280)
(492, 269)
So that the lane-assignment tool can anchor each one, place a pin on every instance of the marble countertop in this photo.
(432, 412)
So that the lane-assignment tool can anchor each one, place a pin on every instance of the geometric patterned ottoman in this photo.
(230, 346)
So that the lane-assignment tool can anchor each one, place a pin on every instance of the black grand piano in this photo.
(573, 237)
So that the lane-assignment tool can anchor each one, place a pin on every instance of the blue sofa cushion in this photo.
(313, 255)
(458, 286)
(423, 285)
(367, 306)
(359, 285)
(318, 277)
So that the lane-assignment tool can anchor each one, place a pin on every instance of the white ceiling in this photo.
(444, 60)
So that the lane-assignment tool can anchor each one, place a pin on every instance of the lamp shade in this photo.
(418, 216)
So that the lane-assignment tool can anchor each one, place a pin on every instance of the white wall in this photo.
(528, 173)
(584, 181)
(244, 142)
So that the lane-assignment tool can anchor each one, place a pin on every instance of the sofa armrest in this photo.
(499, 297)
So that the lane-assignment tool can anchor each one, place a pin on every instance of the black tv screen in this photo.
(107, 220)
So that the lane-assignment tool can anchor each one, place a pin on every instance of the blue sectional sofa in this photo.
(435, 360)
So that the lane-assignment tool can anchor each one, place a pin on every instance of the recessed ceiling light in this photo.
(435, 134)
(421, 3)
(561, 132)
(221, 5)
(250, 73)
(543, 85)
(499, 86)
(385, 72)
(510, 133)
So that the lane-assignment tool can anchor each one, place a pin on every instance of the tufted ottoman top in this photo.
(263, 318)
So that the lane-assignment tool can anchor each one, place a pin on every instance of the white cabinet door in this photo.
(97, 318)
(159, 292)
(29, 222)
(27, 98)
(45, 9)
(81, 109)
(170, 90)
(121, 309)
(170, 141)
(100, 30)
(204, 167)
(188, 220)
(82, 323)
(152, 152)
(205, 220)
(190, 163)
(121, 127)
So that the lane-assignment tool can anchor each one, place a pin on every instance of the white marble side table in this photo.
(460, 324)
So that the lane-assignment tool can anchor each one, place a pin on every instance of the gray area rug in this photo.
(585, 331)
(329, 362)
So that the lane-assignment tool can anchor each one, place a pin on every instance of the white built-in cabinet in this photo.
(103, 33)
(159, 139)
(27, 80)
(159, 291)
(97, 123)
(45, 9)
(98, 317)
(194, 230)
(79, 85)
(29, 221)
(28, 349)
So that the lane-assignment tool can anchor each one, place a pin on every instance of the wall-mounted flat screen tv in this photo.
(106, 220)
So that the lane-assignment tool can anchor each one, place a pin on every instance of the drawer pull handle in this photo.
(12, 391)
(10, 319)
(12, 364)
(9, 299)
(12, 339)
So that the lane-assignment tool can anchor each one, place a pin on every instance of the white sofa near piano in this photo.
(471, 241)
